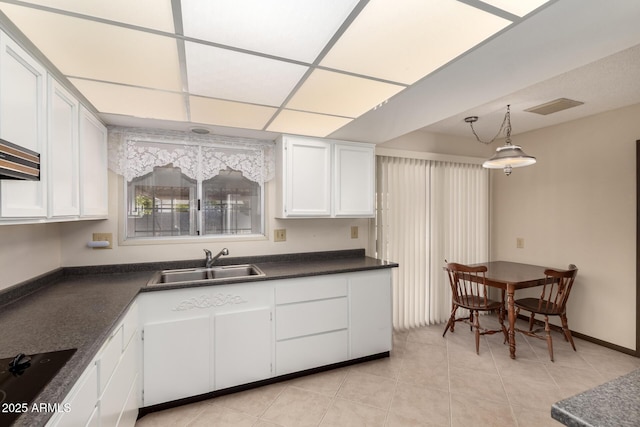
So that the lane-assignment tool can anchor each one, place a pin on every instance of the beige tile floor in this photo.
(427, 381)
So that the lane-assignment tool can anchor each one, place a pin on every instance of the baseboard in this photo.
(606, 344)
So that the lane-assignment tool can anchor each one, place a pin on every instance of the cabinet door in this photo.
(176, 358)
(354, 180)
(307, 178)
(242, 347)
(22, 122)
(63, 151)
(94, 191)
(370, 329)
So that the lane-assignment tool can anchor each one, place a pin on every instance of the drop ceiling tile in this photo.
(155, 14)
(309, 124)
(88, 49)
(404, 44)
(291, 29)
(519, 8)
(235, 76)
(227, 113)
(132, 101)
(340, 94)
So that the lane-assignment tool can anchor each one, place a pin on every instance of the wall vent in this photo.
(554, 106)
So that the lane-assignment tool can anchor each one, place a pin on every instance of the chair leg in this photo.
(547, 330)
(452, 321)
(501, 313)
(476, 324)
(471, 320)
(531, 319)
(567, 332)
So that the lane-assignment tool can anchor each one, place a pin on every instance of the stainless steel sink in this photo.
(213, 274)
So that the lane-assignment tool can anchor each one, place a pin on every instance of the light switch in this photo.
(520, 242)
(354, 232)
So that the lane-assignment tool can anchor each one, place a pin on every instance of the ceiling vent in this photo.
(554, 106)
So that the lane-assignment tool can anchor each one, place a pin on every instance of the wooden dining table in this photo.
(509, 277)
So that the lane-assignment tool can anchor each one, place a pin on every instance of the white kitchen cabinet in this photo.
(62, 135)
(311, 322)
(242, 347)
(22, 122)
(304, 178)
(94, 191)
(107, 393)
(370, 325)
(354, 180)
(202, 339)
(322, 178)
(177, 357)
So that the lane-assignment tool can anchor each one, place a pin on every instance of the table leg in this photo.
(512, 321)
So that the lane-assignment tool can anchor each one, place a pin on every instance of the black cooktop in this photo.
(22, 377)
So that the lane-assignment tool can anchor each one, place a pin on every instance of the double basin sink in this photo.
(206, 275)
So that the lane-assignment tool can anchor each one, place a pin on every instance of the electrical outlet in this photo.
(280, 235)
(520, 242)
(354, 232)
(103, 237)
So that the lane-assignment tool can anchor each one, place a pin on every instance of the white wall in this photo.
(578, 205)
(27, 251)
(303, 235)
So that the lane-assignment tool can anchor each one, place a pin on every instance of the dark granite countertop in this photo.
(77, 307)
(614, 403)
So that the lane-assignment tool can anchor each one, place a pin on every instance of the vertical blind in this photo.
(428, 211)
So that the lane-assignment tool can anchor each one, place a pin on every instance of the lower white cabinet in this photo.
(107, 393)
(242, 347)
(370, 325)
(198, 340)
(176, 359)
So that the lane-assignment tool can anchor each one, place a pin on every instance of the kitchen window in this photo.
(190, 189)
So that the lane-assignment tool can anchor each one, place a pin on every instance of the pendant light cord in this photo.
(506, 120)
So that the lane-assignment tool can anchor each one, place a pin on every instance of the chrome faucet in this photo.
(211, 259)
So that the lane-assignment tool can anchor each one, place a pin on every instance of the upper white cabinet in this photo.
(63, 151)
(22, 122)
(38, 113)
(320, 178)
(303, 177)
(94, 190)
(354, 180)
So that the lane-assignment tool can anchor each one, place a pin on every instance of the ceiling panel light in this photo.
(226, 74)
(82, 48)
(519, 8)
(227, 113)
(340, 94)
(132, 101)
(404, 44)
(309, 124)
(291, 29)
(154, 14)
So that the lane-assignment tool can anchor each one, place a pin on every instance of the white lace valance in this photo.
(135, 152)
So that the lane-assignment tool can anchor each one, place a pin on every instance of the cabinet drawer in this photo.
(82, 399)
(309, 289)
(113, 400)
(129, 325)
(307, 318)
(311, 352)
(108, 358)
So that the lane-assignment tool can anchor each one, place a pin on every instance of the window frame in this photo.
(123, 209)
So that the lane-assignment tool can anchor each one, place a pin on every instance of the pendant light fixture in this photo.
(508, 156)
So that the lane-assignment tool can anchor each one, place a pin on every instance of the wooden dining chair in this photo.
(552, 302)
(469, 291)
